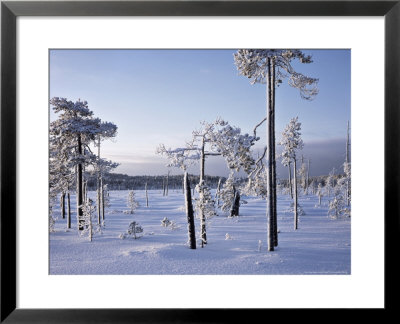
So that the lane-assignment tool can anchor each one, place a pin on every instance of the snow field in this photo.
(320, 245)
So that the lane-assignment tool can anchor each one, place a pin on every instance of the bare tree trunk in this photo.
(90, 226)
(166, 192)
(103, 213)
(308, 175)
(274, 200)
(79, 200)
(270, 207)
(290, 181)
(189, 213)
(202, 216)
(68, 210)
(319, 199)
(62, 205)
(347, 161)
(217, 192)
(147, 197)
(98, 184)
(85, 191)
(296, 219)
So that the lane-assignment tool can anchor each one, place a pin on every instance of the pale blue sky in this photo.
(160, 96)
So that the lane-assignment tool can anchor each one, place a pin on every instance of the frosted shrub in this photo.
(133, 230)
(132, 204)
(337, 206)
(165, 222)
(300, 210)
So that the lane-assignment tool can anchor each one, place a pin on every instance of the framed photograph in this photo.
(163, 158)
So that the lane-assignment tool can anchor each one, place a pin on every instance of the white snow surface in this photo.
(319, 246)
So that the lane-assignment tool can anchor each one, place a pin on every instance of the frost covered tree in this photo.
(182, 158)
(106, 201)
(337, 205)
(101, 167)
(271, 66)
(213, 139)
(205, 207)
(330, 182)
(227, 193)
(286, 160)
(107, 130)
(218, 192)
(303, 175)
(320, 193)
(77, 128)
(61, 176)
(132, 203)
(347, 181)
(347, 167)
(89, 220)
(292, 142)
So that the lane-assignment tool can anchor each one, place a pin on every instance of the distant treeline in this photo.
(118, 181)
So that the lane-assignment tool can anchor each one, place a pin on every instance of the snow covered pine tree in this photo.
(292, 142)
(271, 66)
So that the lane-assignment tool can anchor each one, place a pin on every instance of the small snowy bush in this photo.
(133, 230)
(168, 223)
(300, 210)
(165, 222)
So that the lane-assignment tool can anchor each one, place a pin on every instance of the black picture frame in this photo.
(10, 10)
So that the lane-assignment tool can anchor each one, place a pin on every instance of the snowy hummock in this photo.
(236, 245)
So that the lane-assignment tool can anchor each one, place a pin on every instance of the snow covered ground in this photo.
(320, 245)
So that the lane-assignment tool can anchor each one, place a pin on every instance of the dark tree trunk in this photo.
(235, 203)
(189, 213)
(270, 208)
(62, 205)
(274, 200)
(79, 201)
